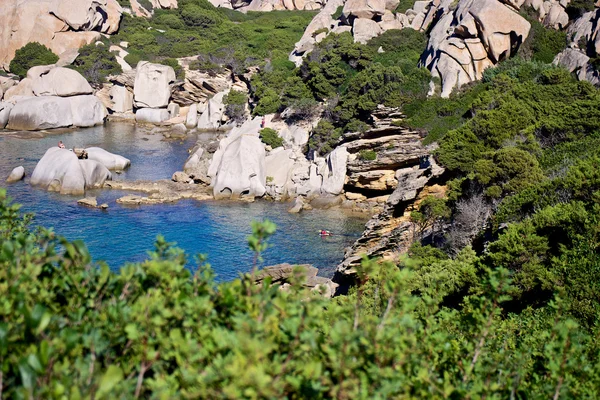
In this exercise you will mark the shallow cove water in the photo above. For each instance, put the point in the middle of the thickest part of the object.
(124, 234)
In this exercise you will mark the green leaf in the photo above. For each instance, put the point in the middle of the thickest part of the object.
(110, 379)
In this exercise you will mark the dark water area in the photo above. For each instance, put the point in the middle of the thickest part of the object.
(124, 234)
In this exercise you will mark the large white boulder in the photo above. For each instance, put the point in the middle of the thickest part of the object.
(5, 109)
(94, 173)
(87, 111)
(365, 29)
(108, 159)
(335, 176)
(122, 99)
(22, 89)
(37, 113)
(58, 81)
(152, 86)
(364, 8)
(61, 171)
(213, 114)
(278, 170)
(238, 166)
(152, 115)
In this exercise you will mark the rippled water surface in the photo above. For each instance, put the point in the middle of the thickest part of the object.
(124, 234)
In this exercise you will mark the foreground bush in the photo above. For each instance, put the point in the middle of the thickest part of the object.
(30, 55)
(72, 329)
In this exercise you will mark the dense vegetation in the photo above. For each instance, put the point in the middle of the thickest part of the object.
(30, 55)
(72, 329)
(95, 63)
(218, 37)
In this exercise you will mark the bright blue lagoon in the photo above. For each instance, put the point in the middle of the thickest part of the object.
(124, 234)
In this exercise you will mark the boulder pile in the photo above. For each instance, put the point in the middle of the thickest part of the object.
(60, 170)
(50, 97)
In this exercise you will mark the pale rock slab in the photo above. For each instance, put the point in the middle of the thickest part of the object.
(152, 86)
(109, 160)
(121, 98)
(37, 113)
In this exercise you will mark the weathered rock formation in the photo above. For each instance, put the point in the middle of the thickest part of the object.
(476, 35)
(584, 44)
(152, 86)
(61, 171)
(238, 166)
(399, 174)
(269, 5)
(51, 97)
(61, 25)
(108, 159)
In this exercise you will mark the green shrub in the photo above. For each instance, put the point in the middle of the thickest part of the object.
(172, 62)
(324, 137)
(542, 44)
(367, 155)
(133, 59)
(95, 63)
(338, 13)
(270, 137)
(434, 324)
(195, 16)
(404, 5)
(30, 55)
(235, 105)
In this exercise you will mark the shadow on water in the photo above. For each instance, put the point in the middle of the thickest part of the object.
(124, 234)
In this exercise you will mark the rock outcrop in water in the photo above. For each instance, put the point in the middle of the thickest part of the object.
(61, 170)
(16, 175)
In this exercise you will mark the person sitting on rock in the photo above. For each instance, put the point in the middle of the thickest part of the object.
(61, 145)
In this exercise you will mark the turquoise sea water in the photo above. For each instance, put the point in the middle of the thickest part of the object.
(124, 234)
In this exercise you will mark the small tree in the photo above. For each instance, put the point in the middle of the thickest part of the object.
(235, 105)
(270, 137)
(30, 55)
(95, 63)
